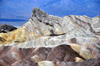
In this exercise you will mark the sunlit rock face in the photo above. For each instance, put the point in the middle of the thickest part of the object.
(41, 24)
(50, 40)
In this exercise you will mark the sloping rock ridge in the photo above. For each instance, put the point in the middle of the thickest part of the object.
(4, 28)
(62, 55)
(51, 40)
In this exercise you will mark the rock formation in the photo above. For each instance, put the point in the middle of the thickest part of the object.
(59, 55)
(4, 28)
(50, 40)
(62, 55)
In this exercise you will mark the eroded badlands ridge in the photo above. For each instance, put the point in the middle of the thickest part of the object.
(62, 55)
(63, 41)
(82, 28)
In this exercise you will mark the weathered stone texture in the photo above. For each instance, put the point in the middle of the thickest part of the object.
(47, 40)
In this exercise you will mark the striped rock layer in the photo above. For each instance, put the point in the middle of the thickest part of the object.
(62, 40)
(62, 55)
(82, 28)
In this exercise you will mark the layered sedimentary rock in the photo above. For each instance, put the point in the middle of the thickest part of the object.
(41, 24)
(62, 55)
(51, 40)
(91, 62)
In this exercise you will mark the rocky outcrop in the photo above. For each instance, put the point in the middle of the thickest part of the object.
(50, 40)
(91, 62)
(62, 55)
(41, 24)
(4, 28)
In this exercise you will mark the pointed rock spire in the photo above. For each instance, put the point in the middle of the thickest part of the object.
(39, 14)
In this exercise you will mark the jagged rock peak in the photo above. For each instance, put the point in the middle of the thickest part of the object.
(47, 38)
(39, 14)
(44, 26)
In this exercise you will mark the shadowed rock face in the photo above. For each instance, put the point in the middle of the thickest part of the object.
(59, 55)
(94, 62)
(4, 28)
(9, 55)
(47, 40)
(62, 55)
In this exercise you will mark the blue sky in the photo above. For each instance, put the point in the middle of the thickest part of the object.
(17, 12)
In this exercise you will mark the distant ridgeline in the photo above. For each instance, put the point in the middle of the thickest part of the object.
(4, 28)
